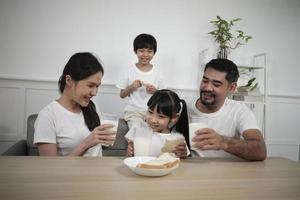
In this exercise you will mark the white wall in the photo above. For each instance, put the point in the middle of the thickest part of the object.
(38, 36)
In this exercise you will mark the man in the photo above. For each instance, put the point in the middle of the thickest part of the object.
(232, 127)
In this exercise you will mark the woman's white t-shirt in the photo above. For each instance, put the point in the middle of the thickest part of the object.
(57, 125)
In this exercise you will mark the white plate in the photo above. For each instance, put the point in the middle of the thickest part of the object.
(131, 162)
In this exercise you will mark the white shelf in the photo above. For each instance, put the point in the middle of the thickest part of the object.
(257, 103)
(249, 67)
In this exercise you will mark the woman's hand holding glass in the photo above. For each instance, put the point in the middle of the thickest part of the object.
(103, 134)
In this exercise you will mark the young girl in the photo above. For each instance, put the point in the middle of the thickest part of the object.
(167, 117)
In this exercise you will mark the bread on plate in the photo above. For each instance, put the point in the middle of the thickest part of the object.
(164, 161)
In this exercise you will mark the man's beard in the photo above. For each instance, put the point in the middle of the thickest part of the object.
(205, 102)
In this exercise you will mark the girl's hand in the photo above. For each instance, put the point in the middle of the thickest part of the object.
(180, 150)
(150, 88)
(101, 135)
(130, 150)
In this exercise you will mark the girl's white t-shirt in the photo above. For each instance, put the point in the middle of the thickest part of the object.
(139, 98)
(158, 140)
(57, 125)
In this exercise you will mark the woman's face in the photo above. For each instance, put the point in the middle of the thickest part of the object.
(157, 121)
(84, 90)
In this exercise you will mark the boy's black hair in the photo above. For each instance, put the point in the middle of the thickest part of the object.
(224, 65)
(145, 41)
(168, 103)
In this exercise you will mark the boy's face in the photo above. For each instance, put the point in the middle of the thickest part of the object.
(144, 55)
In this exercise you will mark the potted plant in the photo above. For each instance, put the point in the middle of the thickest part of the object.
(226, 37)
(249, 87)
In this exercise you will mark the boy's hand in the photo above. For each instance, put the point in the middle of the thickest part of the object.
(150, 88)
(135, 84)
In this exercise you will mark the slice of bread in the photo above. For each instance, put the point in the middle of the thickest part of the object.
(164, 161)
(170, 145)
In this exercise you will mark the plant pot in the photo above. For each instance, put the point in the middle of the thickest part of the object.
(223, 53)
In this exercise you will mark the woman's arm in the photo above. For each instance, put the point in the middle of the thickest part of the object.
(46, 149)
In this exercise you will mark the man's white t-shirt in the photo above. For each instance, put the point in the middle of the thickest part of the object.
(231, 120)
(139, 98)
(57, 125)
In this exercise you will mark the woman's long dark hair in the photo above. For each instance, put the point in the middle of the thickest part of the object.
(168, 103)
(79, 67)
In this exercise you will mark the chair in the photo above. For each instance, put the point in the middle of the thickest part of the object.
(26, 147)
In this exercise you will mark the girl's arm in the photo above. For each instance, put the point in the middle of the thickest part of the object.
(181, 150)
(130, 149)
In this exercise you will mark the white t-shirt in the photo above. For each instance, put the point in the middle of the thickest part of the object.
(139, 98)
(57, 125)
(231, 120)
(157, 140)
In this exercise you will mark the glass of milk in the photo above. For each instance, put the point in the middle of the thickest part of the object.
(142, 140)
(193, 127)
(107, 118)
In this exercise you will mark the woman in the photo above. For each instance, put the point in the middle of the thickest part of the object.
(70, 125)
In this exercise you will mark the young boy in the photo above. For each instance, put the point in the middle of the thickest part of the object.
(141, 80)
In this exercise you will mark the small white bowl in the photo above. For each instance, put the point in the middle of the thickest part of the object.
(131, 163)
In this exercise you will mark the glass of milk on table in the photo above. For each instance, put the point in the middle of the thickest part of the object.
(142, 140)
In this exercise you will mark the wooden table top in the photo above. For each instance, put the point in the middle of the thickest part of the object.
(108, 178)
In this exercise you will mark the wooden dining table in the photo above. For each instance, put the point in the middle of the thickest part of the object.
(98, 178)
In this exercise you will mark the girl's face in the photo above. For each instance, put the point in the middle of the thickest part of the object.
(157, 121)
(84, 90)
(144, 55)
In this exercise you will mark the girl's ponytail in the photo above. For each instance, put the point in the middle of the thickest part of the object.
(182, 124)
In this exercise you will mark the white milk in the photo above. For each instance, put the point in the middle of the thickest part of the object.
(113, 129)
(193, 127)
(115, 123)
(141, 146)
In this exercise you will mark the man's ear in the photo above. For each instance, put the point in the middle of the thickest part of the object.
(69, 80)
(232, 87)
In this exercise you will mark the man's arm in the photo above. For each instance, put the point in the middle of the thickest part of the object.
(252, 147)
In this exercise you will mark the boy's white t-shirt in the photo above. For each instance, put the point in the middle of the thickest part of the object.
(158, 140)
(231, 120)
(57, 125)
(139, 98)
